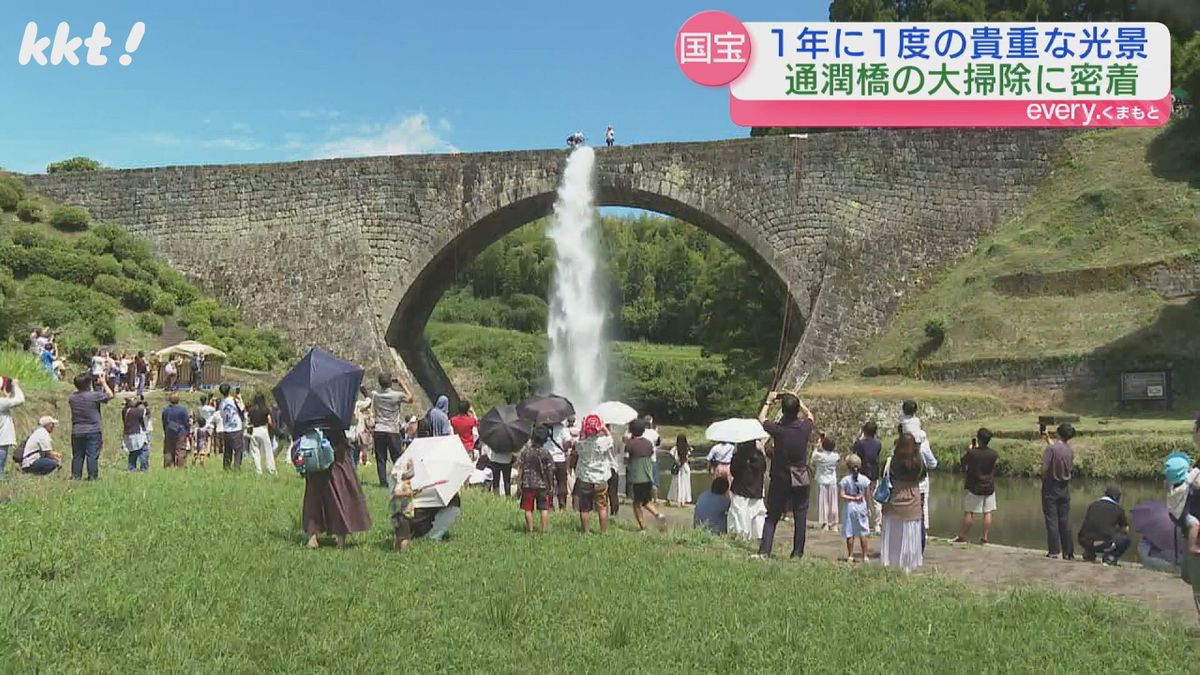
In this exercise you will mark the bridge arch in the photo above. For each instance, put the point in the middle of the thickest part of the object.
(415, 301)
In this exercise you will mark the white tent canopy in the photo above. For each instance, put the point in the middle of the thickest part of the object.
(190, 348)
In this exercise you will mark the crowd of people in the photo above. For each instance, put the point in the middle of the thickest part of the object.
(589, 466)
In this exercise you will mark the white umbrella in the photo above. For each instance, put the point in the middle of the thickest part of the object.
(735, 430)
(615, 412)
(440, 466)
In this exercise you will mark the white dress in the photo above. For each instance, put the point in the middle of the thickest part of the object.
(681, 484)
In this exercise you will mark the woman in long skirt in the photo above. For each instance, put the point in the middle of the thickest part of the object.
(902, 513)
(333, 500)
(681, 482)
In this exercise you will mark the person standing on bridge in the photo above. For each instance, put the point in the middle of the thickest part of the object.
(386, 403)
(609, 136)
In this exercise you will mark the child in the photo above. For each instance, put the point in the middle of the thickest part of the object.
(1182, 479)
(481, 477)
(911, 424)
(825, 461)
(401, 506)
(537, 476)
(854, 522)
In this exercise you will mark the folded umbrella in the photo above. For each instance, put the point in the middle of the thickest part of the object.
(550, 409)
(1152, 522)
(615, 412)
(735, 430)
(440, 467)
(318, 392)
(503, 430)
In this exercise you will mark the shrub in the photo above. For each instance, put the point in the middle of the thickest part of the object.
(31, 237)
(70, 218)
(29, 211)
(524, 313)
(129, 247)
(67, 265)
(8, 287)
(133, 270)
(74, 164)
(174, 283)
(104, 329)
(151, 323)
(9, 197)
(198, 311)
(75, 341)
(91, 244)
(164, 304)
(109, 285)
(243, 356)
(137, 296)
(223, 316)
(106, 264)
(935, 330)
(15, 184)
(110, 232)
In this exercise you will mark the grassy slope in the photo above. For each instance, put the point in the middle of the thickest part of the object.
(199, 571)
(1105, 204)
(129, 336)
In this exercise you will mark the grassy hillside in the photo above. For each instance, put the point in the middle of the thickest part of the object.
(1115, 198)
(672, 382)
(97, 285)
(83, 564)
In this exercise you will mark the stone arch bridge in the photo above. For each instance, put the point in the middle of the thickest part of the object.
(353, 254)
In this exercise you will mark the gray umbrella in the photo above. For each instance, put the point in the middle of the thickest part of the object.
(550, 409)
(503, 430)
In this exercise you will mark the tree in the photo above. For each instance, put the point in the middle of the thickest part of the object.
(73, 165)
(957, 10)
(1187, 68)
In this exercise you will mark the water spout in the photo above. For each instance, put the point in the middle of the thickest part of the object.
(578, 360)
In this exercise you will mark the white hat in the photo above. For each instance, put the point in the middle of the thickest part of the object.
(46, 419)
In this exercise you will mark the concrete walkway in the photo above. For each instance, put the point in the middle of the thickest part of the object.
(996, 567)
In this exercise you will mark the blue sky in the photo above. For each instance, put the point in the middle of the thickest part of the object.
(236, 81)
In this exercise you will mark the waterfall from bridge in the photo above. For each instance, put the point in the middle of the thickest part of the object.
(578, 354)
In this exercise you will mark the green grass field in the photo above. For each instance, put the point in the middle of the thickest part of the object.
(197, 571)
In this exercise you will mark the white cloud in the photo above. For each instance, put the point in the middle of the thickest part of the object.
(312, 113)
(408, 136)
(240, 126)
(163, 139)
(232, 143)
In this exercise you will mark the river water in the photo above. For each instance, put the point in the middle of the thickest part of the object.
(1018, 518)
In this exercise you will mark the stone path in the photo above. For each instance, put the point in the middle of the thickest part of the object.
(996, 567)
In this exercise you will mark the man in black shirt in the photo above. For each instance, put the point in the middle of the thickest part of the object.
(868, 448)
(978, 466)
(789, 473)
(1105, 529)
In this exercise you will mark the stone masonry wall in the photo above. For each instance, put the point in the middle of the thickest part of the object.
(352, 254)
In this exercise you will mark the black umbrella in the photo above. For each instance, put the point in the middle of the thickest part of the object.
(318, 392)
(550, 409)
(503, 430)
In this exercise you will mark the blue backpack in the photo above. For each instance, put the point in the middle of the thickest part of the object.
(312, 452)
